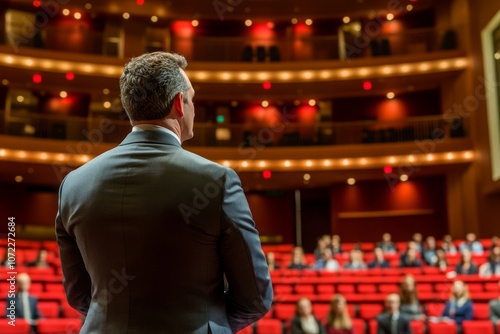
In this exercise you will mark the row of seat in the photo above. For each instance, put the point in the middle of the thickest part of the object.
(45, 326)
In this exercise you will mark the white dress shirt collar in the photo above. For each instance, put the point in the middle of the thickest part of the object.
(153, 127)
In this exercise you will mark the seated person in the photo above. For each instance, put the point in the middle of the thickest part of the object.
(322, 243)
(441, 262)
(304, 321)
(335, 245)
(410, 260)
(386, 244)
(418, 239)
(494, 242)
(327, 262)
(410, 305)
(492, 266)
(392, 321)
(271, 261)
(379, 261)
(495, 309)
(448, 246)
(355, 260)
(339, 321)
(471, 244)
(41, 260)
(430, 250)
(466, 266)
(298, 259)
(459, 307)
(25, 305)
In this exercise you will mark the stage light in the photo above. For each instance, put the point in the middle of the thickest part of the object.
(37, 78)
(77, 15)
(220, 119)
(267, 174)
(248, 23)
(267, 85)
(63, 94)
(140, 2)
(154, 18)
(309, 22)
(265, 104)
(388, 169)
(126, 16)
(312, 102)
(403, 178)
(346, 19)
(390, 17)
(351, 181)
(70, 76)
(391, 95)
(195, 23)
(367, 85)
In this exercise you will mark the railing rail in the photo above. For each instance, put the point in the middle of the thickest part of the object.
(244, 135)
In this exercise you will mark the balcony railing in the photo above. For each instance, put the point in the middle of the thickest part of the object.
(244, 135)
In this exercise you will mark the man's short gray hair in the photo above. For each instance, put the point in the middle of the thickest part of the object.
(149, 83)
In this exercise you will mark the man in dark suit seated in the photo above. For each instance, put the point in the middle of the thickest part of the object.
(153, 238)
(392, 321)
(379, 261)
(22, 305)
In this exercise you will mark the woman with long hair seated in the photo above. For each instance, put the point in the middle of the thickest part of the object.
(409, 301)
(304, 321)
(339, 321)
(459, 307)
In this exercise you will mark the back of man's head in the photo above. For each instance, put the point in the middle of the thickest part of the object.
(149, 84)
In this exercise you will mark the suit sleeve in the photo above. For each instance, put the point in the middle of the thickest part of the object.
(249, 294)
(77, 283)
(469, 311)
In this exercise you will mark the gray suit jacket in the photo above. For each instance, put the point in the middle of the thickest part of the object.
(148, 233)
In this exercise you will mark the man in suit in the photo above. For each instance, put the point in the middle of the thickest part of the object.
(153, 238)
(22, 305)
(392, 321)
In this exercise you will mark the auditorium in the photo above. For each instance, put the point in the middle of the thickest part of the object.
(360, 138)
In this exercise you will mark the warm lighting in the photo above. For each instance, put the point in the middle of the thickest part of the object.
(468, 155)
(263, 76)
(5, 82)
(36, 3)
(126, 16)
(154, 18)
(140, 2)
(424, 67)
(430, 157)
(307, 177)
(288, 163)
(363, 161)
(367, 85)
(63, 94)
(390, 95)
(88, 6)
(295, 21)
(234, 104)
(296, 103)
(392, 160)
(387, 169)
(351, 181)
(21, 154)
(390, 17)
(460, 63)
(2, 153)
(225, 76)
(411, 158)
(18, 179)
(309, 163)
(307, 75)
(77, 15)
(70, 76)
(65, 11)
(404, 68)
(346, 19)
(345, 162)
(43, 156)
(497, 55)
(262, 164)
(312, 102)
(248, 23)
(450, 156)
(244, 164)
(409, 8)
(309, 22)
(266, 85)
(403, 178)
(444, 64)
(325, 74)
(37, 78)
(387, 70)
(195, 23)
(265, 104)
(107, 104)
(267, 174)
(105, 91)
(270, 25)
(327, 163)
(285, 75)
(20, 99)
(226, 163)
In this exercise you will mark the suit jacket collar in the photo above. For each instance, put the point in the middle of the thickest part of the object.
(147, 136)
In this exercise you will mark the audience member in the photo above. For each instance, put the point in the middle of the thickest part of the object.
(5, 261)
(271, 261)
(419, 240)
(429, 254)
(495, 309)
(336, 246)
(339, 321)
(379, 261)
(298, 259)
(494, 242)
(304, 321)
(26, 306)
(321, 245)
(392, 321)
(441, 262)
(471, 244)
(355, 260)
(40, 261)
(466, 266)
(459, 307)
(408, 296)
(410, 260)
(448, 246)
(327, 262)
(492, 266)
(386, 244)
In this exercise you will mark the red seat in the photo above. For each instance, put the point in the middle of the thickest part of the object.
(284, 312)
(442, 328)
(49, 309)
(434, 309)
(304, 289)
(246, 330)
(481, 311)
(21, 327)
(50, 287)
(492, 287)
(476, 327)
(345, 288)
(321, 311)
(424, 287)
(388, 288)
(59, 326)
(369, 311)
(373, 326)
(325, 289)
(367, 288)
(269, 326)
(417, 327)
(358, 326)
(475, 287)
(69, 312)
(282, 289)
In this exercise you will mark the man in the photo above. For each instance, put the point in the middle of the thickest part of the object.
(379, 260)
(391, 321)
(149, 233)
(24, 305)
(471, 243)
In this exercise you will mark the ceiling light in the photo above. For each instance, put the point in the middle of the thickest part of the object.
(351, 181)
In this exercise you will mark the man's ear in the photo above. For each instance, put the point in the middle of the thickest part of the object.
(178, 104)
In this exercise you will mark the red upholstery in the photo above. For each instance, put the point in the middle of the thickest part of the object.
(442, 328)
(476, 327)
(269, 326)
(59, 326)
(481, 311)
(284, 312)
(49, 309)
(21, 327)
(435, 309)
(369, 311)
